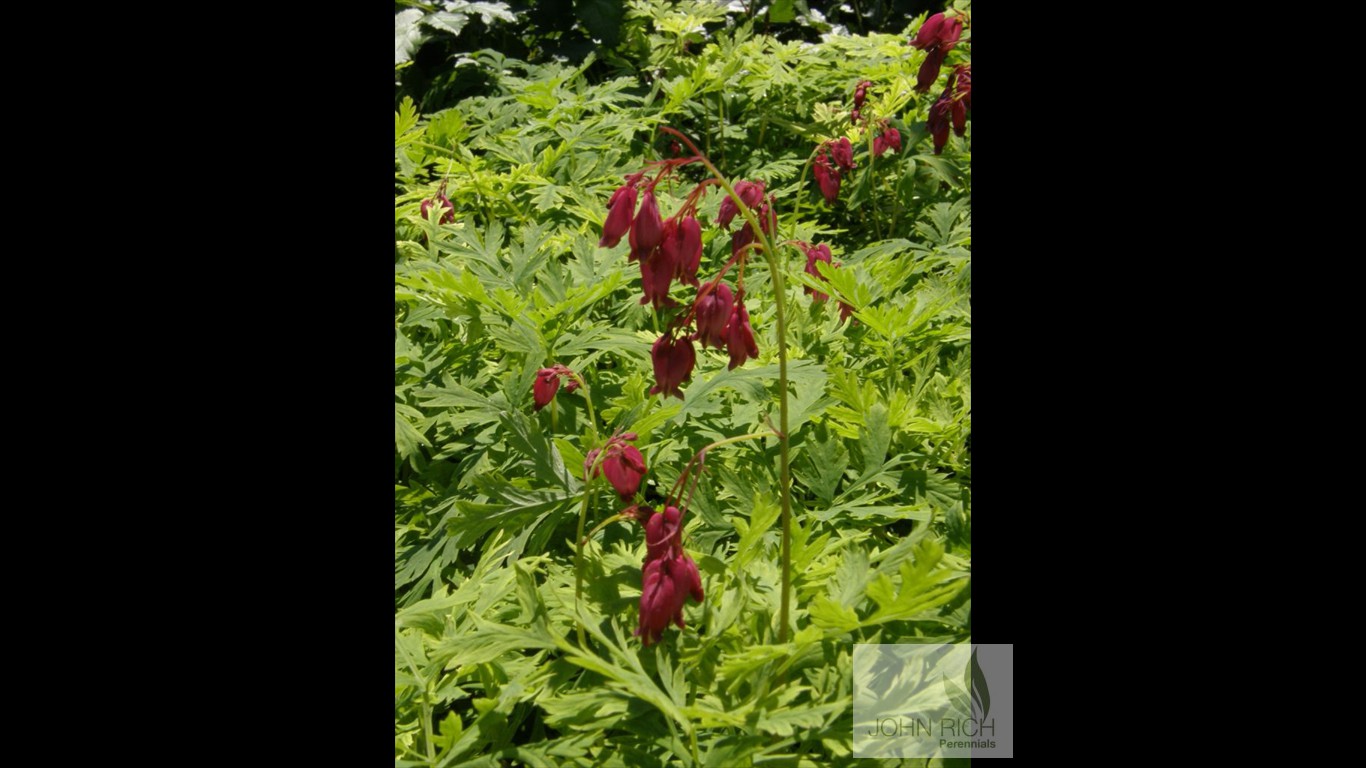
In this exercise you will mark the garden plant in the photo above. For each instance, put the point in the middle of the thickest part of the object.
(682, 378)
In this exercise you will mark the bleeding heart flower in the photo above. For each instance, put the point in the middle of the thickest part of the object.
(740, 336)
(546, 385)
(656, 275)
(888, 139)
(827, 178)
(739, 239)
(690, 250)
(814, 254)
(937, 36)
(941, 111)
(750, 192)
(623, 465)
(448, 214)
(669, 577)
(712, 309)
(843, 152)
(673, 361)
(548, 382)
(620, 209)
(648, 228)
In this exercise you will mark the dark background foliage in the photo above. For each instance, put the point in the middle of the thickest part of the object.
(570, 30)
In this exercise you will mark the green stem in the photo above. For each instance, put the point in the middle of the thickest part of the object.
(780, 296)
(588, 475)
(588, 401)
(682, 476)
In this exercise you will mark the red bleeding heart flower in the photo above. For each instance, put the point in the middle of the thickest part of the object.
(648, 228)
(741, 238)
(673, 361)
(888, 139)
(814, 254)
(739, 335)
(668, 578)
(843, 152)
(827, 178)
(448, 214)
(683, 245)
(712, 310)
(623, 465)
(937, 36)
(952, 105)
(964, 90)
(547, 383)
(750, 192)
(656, 275)
(620, 209)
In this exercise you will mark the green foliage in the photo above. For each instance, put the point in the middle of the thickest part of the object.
(488, 669)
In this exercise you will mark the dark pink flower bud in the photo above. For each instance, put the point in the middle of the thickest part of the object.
(623, 465)
(673, 361)
(656, 275)
(929, 69)
(741, 238)
(687, 580)
(854, 116)
(938, 122)
(669, 577)
(690, 250)
(648, 228)
(828, 178)
(448, 214)
(937, 36)
(620, 209)
(663, 532)
(963, 91)
(713, 312)
(814, 254)
(768, 220)
(671, 243)
(843, 152)
(888, 139)
(953, 29)
(960, 117)
(546, 384)
(860, 94)
(658, 601)
(750, 192)
(624, 468)
(740, 336)
(929, 32)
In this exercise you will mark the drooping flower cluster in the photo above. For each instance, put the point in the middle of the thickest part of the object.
(548, 383)
(828, 175)
(752, 194)
(937, 36)
(623, 464)
(860, 93)
(669, 576)
(669, 249)
(952, 105)
(723, 322)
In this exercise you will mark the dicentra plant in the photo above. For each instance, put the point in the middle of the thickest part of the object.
(611, 418)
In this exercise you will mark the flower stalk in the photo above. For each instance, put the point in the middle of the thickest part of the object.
(780, 318)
